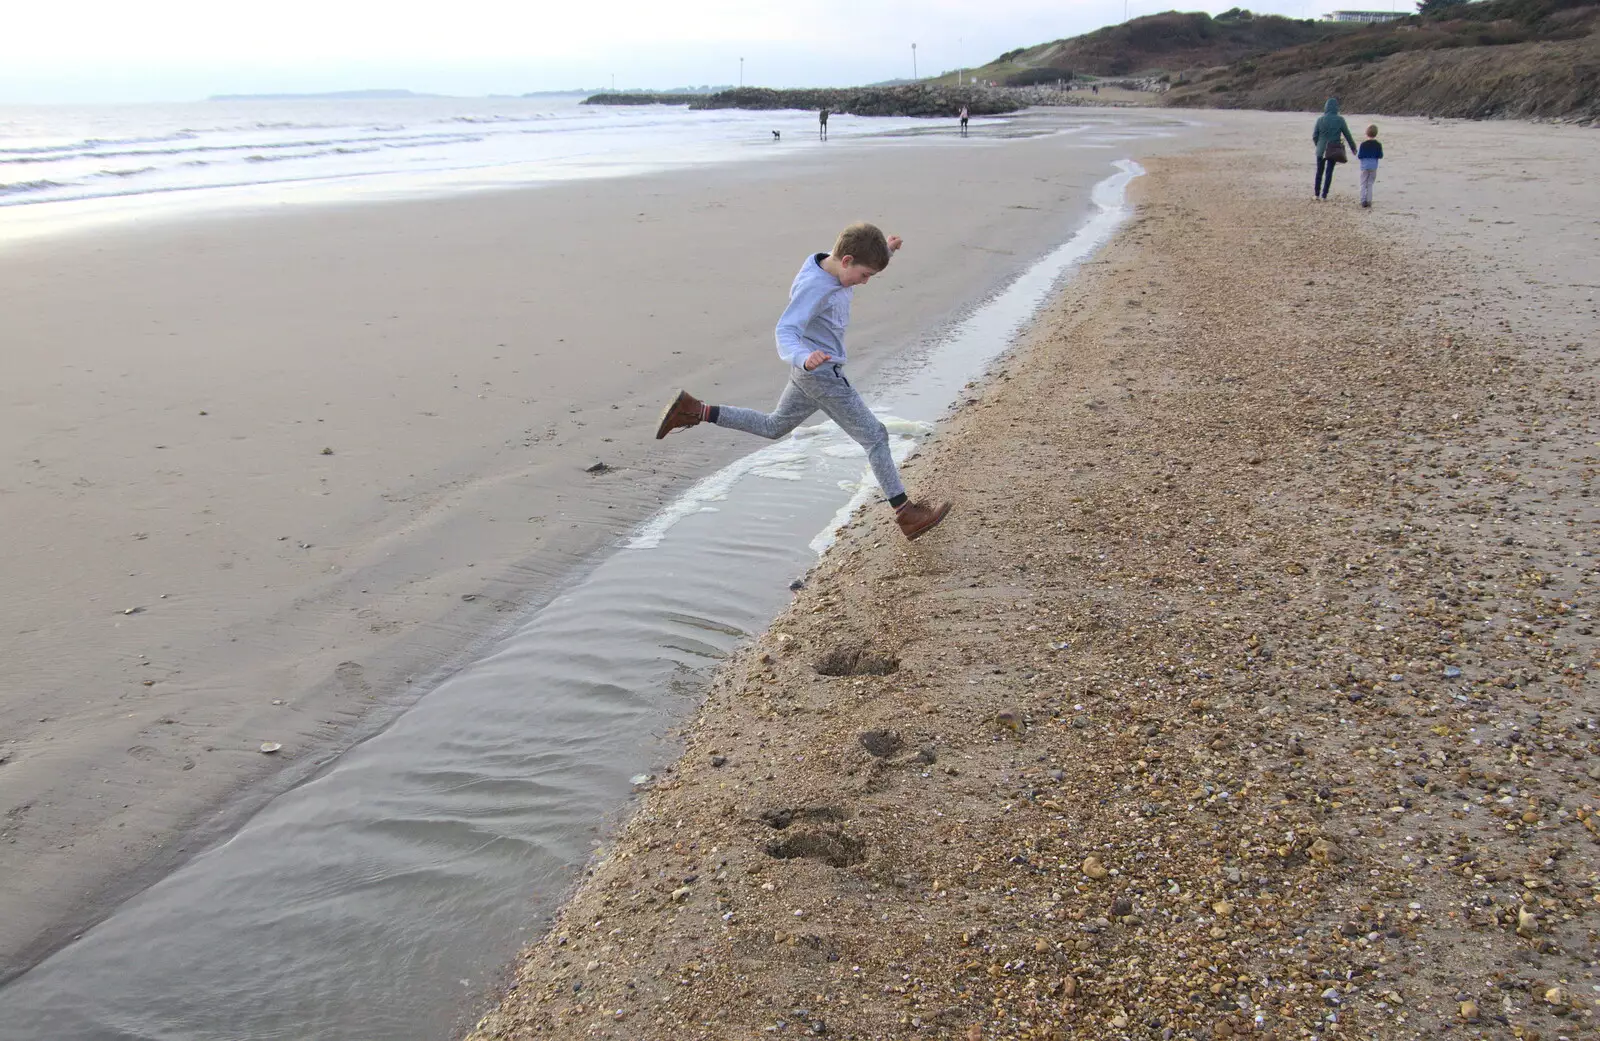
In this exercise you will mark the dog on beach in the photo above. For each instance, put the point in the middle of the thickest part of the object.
(777, 136)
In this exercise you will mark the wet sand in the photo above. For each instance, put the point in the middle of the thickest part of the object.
(270, 476)
(1249, 691)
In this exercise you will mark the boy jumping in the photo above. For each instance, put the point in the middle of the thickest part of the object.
(811, 339)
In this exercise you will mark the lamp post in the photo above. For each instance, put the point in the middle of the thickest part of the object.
(913, 61)
(741, 72)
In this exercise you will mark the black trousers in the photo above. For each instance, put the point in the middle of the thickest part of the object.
(1324, 179)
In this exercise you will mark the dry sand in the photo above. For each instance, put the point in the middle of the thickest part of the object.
(265, 475)
(1248, 692)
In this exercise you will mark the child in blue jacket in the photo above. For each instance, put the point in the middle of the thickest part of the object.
(1368, 155)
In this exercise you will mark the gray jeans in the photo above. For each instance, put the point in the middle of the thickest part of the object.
(1367, 178)
(826, 390)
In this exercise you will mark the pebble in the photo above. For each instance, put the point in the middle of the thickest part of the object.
(1326, 852)
(1094, 869)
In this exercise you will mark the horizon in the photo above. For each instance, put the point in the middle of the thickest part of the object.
(99, 52)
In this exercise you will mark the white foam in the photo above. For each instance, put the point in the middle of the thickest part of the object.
(826, 537)
(902, 448)
(786, 472)
(788, 460)
(713, 488)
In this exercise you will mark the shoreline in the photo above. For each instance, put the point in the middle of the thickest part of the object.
(271, 592)
(579, 150)
(1214, 710)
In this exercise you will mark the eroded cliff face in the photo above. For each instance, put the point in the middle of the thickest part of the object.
(1537, 80)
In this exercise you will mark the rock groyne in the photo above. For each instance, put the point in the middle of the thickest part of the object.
(909, 100)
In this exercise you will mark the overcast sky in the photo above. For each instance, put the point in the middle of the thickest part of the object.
(175, 50)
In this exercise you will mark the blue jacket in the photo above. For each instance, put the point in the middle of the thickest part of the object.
(817, 315)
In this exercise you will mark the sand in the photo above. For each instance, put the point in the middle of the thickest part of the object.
(1248, 692)
(268, 475)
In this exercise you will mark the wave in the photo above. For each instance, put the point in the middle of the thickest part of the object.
(29, 186)
(537, 117)
(125, 173)
(265, 125)
(239, 128)
(529, 117)
(259, 157)
(252, 146)
(90, 144)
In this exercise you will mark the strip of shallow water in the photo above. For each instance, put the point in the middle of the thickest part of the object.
(382, 898)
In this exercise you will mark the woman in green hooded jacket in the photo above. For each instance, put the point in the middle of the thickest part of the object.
(1330, 126)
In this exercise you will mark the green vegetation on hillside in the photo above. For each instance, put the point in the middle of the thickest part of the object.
(1154, 44)
(1490, 58)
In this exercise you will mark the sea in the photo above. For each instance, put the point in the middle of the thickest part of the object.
(61, 165)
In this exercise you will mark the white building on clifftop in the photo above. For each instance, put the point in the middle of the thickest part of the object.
(1364, 16)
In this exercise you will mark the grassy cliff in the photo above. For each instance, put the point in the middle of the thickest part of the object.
(1155, 44)
(1522, 58)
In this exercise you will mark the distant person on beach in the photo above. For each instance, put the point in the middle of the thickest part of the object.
(963, 121)
(822, 124)
(1368, 155)
(1330, 149)
(810, 338)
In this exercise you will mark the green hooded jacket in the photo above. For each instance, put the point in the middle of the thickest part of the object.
(1329, 126)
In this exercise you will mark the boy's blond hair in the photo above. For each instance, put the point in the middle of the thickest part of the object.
(865, 244)
(1372, 131)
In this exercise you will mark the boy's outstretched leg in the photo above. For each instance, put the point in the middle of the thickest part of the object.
(686, 410)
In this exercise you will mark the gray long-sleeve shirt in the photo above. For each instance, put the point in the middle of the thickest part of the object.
(817, 315)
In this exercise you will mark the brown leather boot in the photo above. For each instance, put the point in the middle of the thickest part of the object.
(684, 411)
(916, 520)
